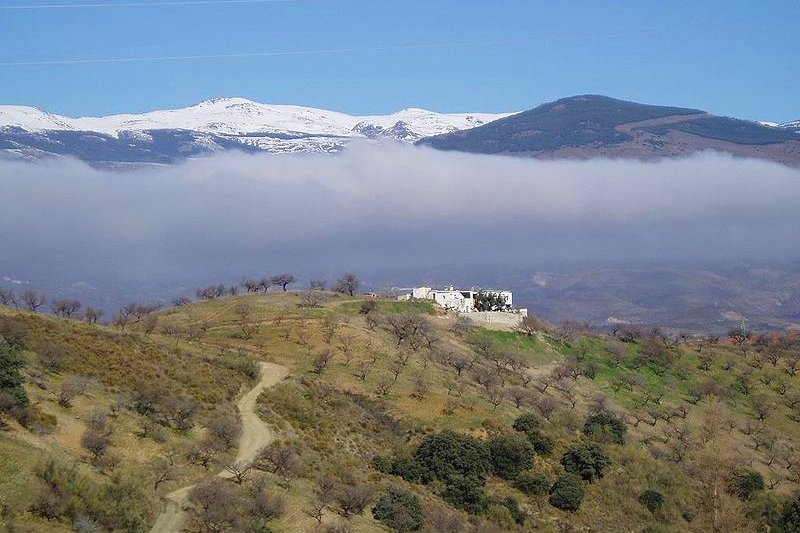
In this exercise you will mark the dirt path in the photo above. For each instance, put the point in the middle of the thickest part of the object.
(255, 435)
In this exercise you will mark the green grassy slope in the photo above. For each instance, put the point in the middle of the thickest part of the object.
(359, 398)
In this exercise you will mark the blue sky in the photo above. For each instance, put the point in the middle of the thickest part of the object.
(735, 58)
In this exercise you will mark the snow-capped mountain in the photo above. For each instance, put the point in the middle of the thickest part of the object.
(212, 125)
(793, 125)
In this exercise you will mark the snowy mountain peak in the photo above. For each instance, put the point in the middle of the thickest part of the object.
(221, 123)
(32, 119)
(224, 100)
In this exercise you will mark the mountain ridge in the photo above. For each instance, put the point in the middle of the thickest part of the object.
(576, 127)
(237, 116)
(587, 126)
(213, 125)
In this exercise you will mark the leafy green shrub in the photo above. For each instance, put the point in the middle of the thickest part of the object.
(410, 470)
(605, 427)
(399, 509)
(14, 398)
(532, 483)
(512, 505)
(652, 499)
(745, 483)
(466, 493)
(367, 307)
(499, 517)
(526, 422)
(588, 460)
(120, 505)
(488, 301)
(530, 424)
(382, 463)
(542, 444)
(567, 493)
(447, 454)
(511, 454)
(789, 519)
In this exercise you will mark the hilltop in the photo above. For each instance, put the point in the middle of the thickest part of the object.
(389, 416)
(586, 126)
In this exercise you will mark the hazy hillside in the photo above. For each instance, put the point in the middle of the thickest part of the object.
(388, 416)
(592, 125)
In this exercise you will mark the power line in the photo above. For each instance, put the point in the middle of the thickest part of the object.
(276, 53)
(137, 4)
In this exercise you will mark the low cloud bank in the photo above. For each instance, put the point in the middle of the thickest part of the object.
(392, 208)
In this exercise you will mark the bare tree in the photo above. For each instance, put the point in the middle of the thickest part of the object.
(322, 359)
(347, 284)
(97, 437)
(546, 405)
(412, 329)
(396, 368)
(444, 521)
(462, 326)
(216, 506)
(529, 326)
(239, 471)
(33, 300)
(7, 297)
(65, 307)
(324, 496)
(52, 357)
(628, 332)
(211, 292)
(266, 505)
(162, 471)
(149, 323)
(310, 299)
(224, 430)
(317, 284)
(283, 280)
(91, 315)
(330, 326)
(496, 396)
(281, 459)
(519, 397)
(739, 335)
(244, 312)
(762, 407)
(458, 362)
(384, 386)
(303, 334)
(421, 388)
(362, 370)
(250, 285)
(72, 388)
(353, 499)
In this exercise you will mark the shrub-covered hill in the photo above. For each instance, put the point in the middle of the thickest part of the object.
(393, 417)
(587, 126)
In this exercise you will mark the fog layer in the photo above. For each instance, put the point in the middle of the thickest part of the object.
(386, 208)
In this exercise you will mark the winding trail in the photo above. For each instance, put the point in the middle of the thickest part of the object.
(255, 436)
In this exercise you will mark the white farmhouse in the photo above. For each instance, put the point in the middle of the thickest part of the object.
(462, 301)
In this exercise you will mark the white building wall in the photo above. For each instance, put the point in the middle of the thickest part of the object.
(421, 293)
(461, 301)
